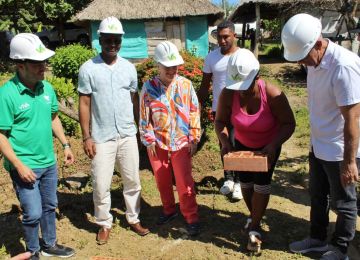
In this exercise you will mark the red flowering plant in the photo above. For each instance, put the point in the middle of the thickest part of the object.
(191, 69)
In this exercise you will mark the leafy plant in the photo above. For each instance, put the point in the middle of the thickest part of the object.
(68, 59)
(3, 252)
(66, 95)
(5, 77)
(274, 27)
(274, 52)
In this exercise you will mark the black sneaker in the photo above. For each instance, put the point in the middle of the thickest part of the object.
(58, 250)
(163, 219)
(193, 229)
(35, 256)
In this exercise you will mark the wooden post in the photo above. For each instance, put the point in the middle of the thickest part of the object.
(243, 35)
(257, 31)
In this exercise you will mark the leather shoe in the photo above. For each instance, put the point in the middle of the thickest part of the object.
(138, 229)
(103, 235)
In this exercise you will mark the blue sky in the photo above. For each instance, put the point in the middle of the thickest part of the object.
(230, 1)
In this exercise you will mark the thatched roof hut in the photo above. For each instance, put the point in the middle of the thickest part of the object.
(149, 9)
(270, 9)
(147, 22)
(254, 10)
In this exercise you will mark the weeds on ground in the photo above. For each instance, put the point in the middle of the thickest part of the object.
(293, 90)
(148, 187)
(302, 131)
(212, 144)
(3, 252)
(116, 229)
(83, 243)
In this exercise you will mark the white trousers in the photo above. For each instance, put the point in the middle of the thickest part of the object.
(124, 152)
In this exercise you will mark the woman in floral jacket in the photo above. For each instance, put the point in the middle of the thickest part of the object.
(170, 129)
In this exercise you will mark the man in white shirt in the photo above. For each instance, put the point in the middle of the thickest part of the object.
(108, 110)
(334, 105)
(215, 71)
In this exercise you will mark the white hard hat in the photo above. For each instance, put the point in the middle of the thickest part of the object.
(28, 46)
(242, 69)
(299, 36)
(111, 25)
(167, 54)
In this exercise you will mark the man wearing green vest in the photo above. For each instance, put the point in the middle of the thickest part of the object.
(28, 109)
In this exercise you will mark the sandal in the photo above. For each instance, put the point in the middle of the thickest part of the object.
(254, 243)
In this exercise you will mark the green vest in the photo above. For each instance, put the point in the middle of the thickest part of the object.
(27, 118)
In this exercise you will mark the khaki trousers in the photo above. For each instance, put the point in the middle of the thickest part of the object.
(124, 152)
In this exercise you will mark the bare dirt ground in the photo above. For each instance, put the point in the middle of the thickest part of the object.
(287, 217)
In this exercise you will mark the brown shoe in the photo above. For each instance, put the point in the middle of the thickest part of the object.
(138, 229)
(103, 235)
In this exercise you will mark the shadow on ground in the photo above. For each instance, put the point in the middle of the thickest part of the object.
(11, 231)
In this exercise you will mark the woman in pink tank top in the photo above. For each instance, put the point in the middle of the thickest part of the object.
(262, 120)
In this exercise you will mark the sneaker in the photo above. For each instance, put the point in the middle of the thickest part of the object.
(35, 256)
(163, 219)
(237, 195)
(58, 251)
(254, 243)
(193, 229)
(308, 245)
(334, 253)
(227, 188)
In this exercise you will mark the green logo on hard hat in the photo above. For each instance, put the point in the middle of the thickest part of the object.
(236, 77)
(172, 57)
(40, 49)
(112, 27)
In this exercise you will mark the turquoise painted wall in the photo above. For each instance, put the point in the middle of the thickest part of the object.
(196, 31)
(134, 43)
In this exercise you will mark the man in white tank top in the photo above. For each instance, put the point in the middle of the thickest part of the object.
(215, 71)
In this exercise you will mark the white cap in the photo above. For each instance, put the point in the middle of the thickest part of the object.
(242, 69)
(167, 54)
(28, 46)
(299, 36)
(111, 25)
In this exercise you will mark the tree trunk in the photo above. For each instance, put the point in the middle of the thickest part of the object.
(61, 31)
(73, 114)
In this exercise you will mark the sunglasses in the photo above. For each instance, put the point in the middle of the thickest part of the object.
(110, 41)
(36, 61)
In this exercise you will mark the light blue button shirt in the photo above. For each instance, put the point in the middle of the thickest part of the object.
(111, 104)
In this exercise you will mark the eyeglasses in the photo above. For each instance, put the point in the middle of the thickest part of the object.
(110, 41)
(36, 61)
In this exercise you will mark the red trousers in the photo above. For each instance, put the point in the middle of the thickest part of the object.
(179, 162)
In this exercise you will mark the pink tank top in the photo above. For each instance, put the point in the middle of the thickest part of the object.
(257, 130)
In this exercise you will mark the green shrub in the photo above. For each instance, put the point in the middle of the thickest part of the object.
(68, 59)
(274, 27)
(5, 77)
(65, 93)
(191, 69)
(275, 52)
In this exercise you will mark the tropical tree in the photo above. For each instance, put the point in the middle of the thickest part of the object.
(227, 6)
(28, 15)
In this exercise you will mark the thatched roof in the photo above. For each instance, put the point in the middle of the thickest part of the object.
(270, 9)
(147, 9)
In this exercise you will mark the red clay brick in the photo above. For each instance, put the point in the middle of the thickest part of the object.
(246, 161)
